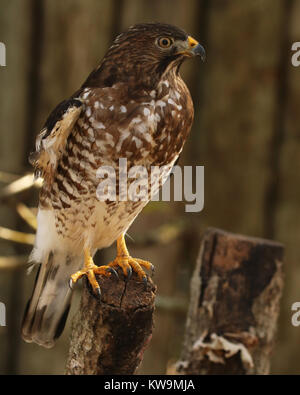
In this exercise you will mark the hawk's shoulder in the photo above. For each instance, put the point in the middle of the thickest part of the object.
(52, 139)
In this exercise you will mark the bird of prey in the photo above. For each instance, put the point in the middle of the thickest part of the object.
(134, 105)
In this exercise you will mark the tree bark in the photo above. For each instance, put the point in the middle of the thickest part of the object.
(235, 294)
(110, 337)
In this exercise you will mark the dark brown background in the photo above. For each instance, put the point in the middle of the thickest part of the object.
(246, 134)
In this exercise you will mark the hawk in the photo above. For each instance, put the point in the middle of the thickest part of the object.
(134, 105)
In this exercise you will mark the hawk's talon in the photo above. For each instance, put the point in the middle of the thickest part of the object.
(98, 291)
(90, 270)
(113, 271)
(129, 264)
(129, 273)
(108, 269)
(71, 283)
(145, 281)
(152, 269)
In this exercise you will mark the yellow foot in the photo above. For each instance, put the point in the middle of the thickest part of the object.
(129, 264)
(89, 270)
(123, 259)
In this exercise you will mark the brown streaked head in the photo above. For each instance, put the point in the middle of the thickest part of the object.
(143, 53)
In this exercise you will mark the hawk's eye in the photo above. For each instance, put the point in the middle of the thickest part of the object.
(165, 42)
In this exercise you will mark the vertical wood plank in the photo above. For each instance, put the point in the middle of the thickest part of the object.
(13, 115)
(286, 219)
(234, 126)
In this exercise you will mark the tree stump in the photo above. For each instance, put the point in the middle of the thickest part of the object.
(109, 337)
(234, 306)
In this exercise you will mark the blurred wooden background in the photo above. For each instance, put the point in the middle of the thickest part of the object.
(246, 134)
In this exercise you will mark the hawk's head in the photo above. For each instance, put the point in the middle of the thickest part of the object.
(143, 54)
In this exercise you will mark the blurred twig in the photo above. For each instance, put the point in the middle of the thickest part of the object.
(20, 185)
(27, 214)
(16, 186)
(13, 262)
(18, 237)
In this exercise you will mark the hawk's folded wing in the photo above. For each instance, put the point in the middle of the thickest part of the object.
(51, 141)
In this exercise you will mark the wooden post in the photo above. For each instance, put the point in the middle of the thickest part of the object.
(110, 337)
(235, 294)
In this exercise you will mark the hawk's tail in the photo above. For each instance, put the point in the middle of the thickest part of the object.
(47, 310)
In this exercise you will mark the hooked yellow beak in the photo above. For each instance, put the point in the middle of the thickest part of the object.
(196, 49)
(193, 48)
(192, 42)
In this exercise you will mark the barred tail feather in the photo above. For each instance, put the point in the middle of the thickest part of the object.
(47, 310)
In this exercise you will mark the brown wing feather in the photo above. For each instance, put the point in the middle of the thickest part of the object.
(51, 141)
